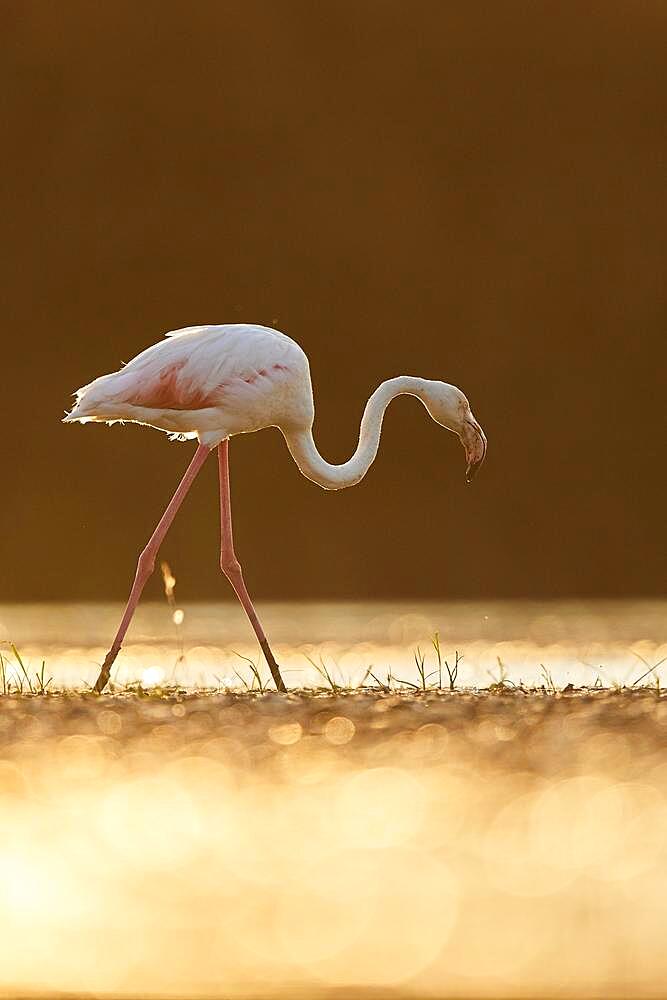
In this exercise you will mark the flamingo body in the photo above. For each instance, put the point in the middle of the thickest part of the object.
(207, 382)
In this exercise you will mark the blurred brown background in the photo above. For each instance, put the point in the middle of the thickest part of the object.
(466, 191)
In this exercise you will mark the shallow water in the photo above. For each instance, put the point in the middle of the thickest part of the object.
(579, 642)
(434, 845)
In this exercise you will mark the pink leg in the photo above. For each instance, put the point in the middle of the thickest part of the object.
(146, 562)
(230, 566)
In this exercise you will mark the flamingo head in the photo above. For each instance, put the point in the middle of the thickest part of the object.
(449, 407)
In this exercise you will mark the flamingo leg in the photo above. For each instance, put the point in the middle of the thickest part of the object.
(146, 562)
(231, 567)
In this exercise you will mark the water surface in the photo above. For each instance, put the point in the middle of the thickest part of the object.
(579, 642)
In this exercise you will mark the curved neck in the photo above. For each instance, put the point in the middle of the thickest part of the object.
(336, 477)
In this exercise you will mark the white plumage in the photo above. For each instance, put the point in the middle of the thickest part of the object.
(207, 382)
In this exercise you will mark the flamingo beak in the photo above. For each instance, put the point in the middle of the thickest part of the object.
(473, 440)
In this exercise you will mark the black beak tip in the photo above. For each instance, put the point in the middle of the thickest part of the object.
(479, 453)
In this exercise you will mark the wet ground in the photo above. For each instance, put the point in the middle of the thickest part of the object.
(498, 843)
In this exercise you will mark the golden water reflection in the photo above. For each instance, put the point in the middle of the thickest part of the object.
(534, 643)
(437, 844)
(434, 844)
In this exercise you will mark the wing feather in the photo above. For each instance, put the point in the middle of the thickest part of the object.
(203, 366)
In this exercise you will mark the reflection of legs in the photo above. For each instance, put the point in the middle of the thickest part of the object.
(229, 564)
(146, 561)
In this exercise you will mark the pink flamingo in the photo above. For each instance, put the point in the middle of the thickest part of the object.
(211, 382)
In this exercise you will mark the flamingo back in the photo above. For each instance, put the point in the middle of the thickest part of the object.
(239, 377)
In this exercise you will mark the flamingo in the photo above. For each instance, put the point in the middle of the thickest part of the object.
(211, 382)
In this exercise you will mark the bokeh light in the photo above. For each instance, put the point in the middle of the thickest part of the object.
(420, 842)
(229, 844)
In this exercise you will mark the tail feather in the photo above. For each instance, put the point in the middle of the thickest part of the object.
(88, 403)
(75, 413)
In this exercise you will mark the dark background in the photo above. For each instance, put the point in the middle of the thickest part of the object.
(466, 191)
